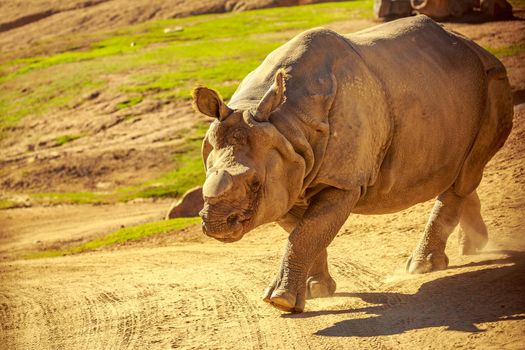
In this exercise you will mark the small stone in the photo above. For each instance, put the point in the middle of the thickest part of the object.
(173, 29)
(103, 185)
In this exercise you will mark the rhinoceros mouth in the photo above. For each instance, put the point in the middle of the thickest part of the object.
(235, 224)
(229, 221)
(224, 234)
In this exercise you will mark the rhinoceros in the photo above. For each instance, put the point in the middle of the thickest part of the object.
(370, 123)
(458, 8)
(442, 8)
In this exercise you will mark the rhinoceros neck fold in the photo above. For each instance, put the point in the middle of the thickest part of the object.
(308, 137)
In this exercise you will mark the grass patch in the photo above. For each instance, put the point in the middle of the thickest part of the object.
(507, 51)
(132, 101)
(120, 236)
(71, 198)
(188, 174)
(7, 204)
(63, 139)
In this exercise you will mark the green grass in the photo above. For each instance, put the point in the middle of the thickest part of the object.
(71, 198)
(132, 101)
(7, 204)
(507, 51)
(63, 139)
(121, 236)
(214, 49)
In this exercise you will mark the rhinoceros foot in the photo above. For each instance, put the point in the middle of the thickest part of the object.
(471, 243)
(286, 296)
(320, 286)
(424, 264)
(284, 301)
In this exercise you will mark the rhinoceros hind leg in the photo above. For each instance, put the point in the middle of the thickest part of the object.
(430, 255)
(319, 283)
(473, 235)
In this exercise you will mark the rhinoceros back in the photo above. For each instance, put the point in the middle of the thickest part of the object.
(436, 82)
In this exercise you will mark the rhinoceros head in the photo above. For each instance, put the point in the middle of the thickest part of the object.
(253, 174)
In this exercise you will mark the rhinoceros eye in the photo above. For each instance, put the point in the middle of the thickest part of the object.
(237, 137)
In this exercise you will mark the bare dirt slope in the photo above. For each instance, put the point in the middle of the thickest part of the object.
(188, 291)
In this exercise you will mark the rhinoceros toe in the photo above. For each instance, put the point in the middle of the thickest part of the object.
(284, 300)
(471, 243)
(432, 262)
(319, 288)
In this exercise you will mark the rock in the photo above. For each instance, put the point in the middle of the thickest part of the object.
(173, 29)
(188, 206)
(103, 185)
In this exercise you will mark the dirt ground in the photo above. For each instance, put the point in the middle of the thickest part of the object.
(184, 290)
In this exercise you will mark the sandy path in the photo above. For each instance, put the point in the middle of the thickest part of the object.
(195, 293)
(208, 296)
(45, 227)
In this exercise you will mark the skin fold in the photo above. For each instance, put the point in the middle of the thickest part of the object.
(371, 123)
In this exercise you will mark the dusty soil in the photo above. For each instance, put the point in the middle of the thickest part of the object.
(122, 147)
(184, 290)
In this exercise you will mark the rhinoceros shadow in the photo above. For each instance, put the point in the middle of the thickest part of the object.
(458, 302)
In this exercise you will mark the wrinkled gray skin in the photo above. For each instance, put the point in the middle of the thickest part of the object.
(369, 123)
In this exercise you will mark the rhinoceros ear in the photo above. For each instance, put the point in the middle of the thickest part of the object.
(273, 98)
(210, 103)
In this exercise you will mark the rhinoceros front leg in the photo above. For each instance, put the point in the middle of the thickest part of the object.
(307, 242)
(429, 254)
(319, 282)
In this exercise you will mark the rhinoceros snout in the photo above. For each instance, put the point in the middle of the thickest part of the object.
(224, 227)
